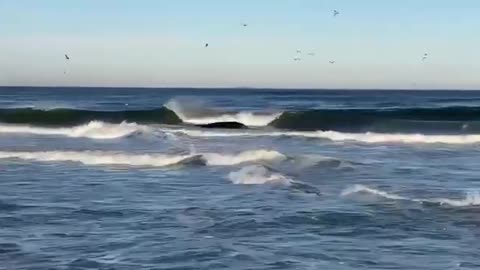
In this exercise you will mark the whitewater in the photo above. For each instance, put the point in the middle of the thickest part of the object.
(105, 131)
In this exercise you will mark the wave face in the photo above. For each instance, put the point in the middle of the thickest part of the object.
(92, 130)
(405, 120)
(471, 198)
(199, 115)
(71, 117)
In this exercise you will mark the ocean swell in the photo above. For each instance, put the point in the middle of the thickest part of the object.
(72, 117)
(405, 120)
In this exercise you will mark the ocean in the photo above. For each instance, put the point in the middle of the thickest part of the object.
(113, 178)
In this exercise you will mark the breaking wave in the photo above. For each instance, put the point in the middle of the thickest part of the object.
(93, 130)
(471, 198)
(447, 120)
(197, 115)
(103, 130)
(147, 160)
(258, 175)
(368, 137)
(101, 158)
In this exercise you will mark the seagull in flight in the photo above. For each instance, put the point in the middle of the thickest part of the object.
(335, 13)
(67, 57)
(206, 45)
(297, 59)
(425, 56)
(244, 25)
(299, 51)
(311, 54)
(331, 62)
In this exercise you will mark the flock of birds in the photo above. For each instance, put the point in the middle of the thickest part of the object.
(297, 58)
(299, 52)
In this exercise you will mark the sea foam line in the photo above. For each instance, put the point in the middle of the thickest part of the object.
(472, 198)
(368, 137)
(103, 131)
(148, 160)
(93, 130)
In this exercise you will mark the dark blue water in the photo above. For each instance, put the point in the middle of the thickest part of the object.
(153, 195)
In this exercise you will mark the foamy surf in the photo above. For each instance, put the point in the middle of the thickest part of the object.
(100, 158)
(258, 175)
(373, 138)
(92, 130)
(472, 198)
(261, 155)
(146, 160)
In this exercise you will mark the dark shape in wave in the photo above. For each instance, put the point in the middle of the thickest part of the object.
(225, 125)
(447, 120)
(425, 120)
(70, 117)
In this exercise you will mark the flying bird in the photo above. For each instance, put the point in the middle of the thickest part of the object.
(311, 54)
(244, 25)
(206, 45)
(296, 59)
(331, 62)
(299, 51)
(425, 56)
(67, 57)
(335, 13)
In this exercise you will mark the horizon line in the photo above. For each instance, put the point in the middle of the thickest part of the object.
(240, 87)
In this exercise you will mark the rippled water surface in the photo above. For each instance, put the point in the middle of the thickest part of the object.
(82, 189)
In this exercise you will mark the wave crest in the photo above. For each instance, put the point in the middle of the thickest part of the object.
(472, 198)
(101, 158)
(147, 160)
(215, 159)
(194, 114)
(92, 130)
(258, 175)
(368, 137)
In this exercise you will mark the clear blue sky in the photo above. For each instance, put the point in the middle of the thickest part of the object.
(159, 43)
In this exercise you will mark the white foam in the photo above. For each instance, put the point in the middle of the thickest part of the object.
(472, 198)
(154, 160)
(247, 118)
(339, 136)
(216, 159)
(398, 138)
(364, 189)
(92, 130)
(257, 175)
(99, 158)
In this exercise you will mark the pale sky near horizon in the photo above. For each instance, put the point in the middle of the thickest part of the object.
(160, 43)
